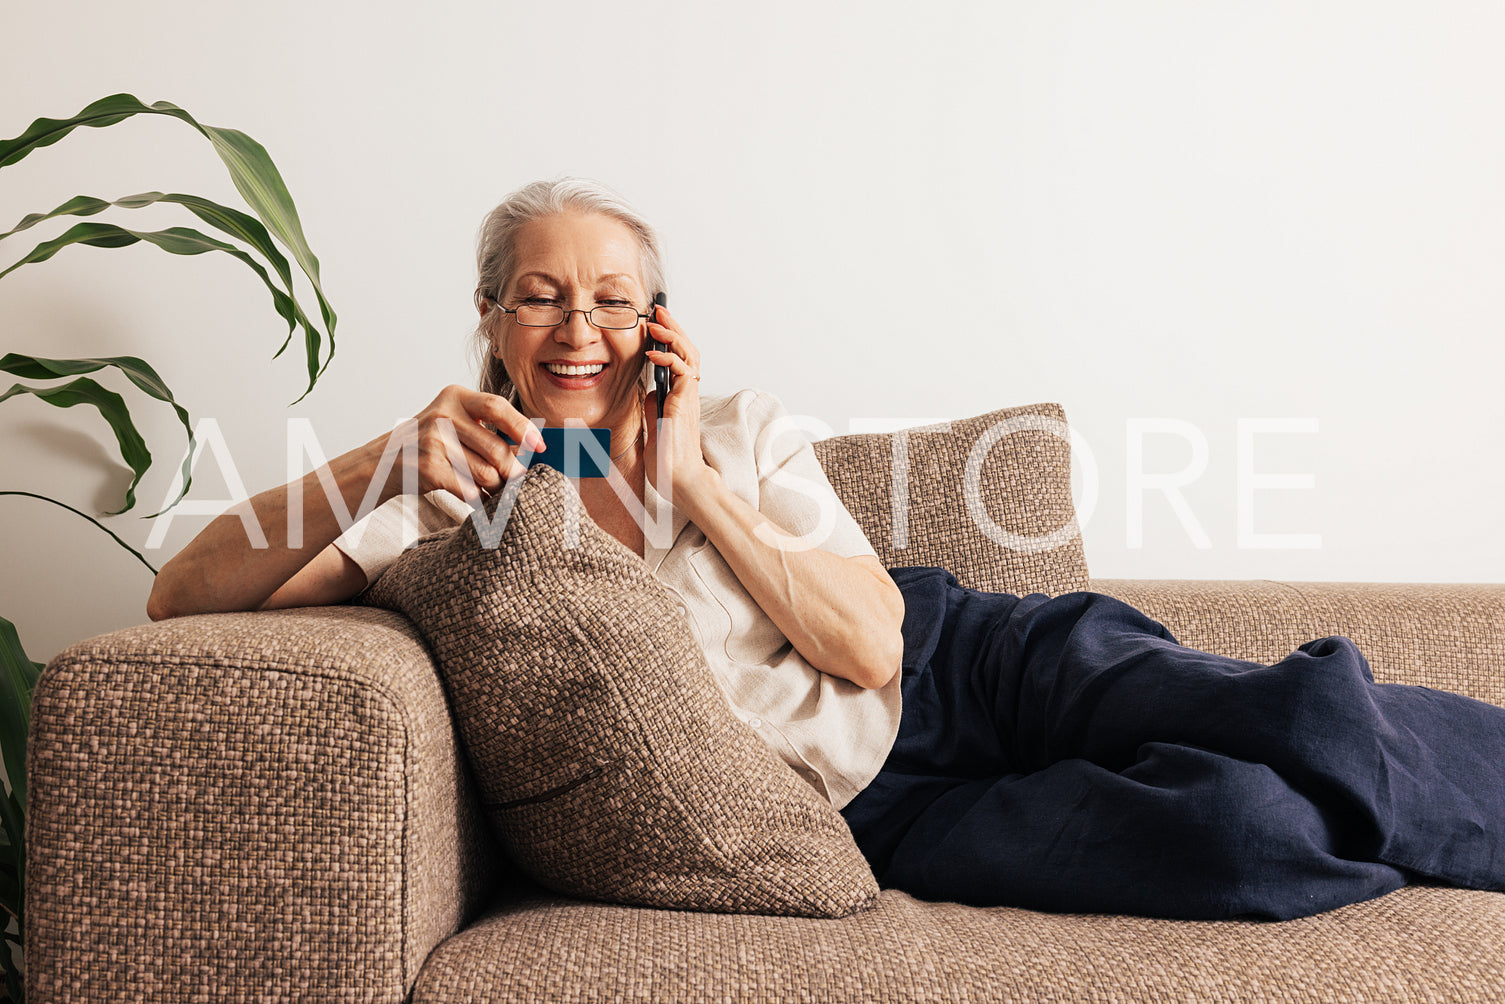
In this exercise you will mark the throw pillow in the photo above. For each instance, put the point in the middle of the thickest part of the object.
(609, 763)
(989, 499)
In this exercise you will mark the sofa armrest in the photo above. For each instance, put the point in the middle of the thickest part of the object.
(1442, 635)
(263, 806)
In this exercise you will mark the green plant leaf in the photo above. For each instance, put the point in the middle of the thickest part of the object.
(79, 205)
(112, 406)
(91, 519)
(13, 980)
(10, 889)
(136, 370)
(13, 818)
(224, 218)
(18, 677)
(250, 166)
(177, 240)
(14, 847)
(260, 184)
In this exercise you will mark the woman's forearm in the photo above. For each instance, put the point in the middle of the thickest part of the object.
(222, 569)
(446, 446)
(845, 619)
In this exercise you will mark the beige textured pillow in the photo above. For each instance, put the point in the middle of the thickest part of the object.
(609, 763)
(1007, 525)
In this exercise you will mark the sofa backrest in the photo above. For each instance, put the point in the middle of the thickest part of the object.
(987, 498)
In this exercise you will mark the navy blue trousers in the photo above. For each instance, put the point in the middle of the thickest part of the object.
(1067, 754)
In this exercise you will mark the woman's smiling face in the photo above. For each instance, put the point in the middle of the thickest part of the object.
(576, 261)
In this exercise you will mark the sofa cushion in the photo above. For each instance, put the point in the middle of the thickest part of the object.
(1417, 944)
(608, 762)
(988, 499)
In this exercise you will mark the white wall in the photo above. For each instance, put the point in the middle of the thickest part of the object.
(1200, 211)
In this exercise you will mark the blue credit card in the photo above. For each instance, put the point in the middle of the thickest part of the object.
(578, 452)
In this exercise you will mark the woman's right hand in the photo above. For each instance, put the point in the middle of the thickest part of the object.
(444, 446)
(447, 446)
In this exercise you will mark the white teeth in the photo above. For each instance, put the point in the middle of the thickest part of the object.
(574, 370)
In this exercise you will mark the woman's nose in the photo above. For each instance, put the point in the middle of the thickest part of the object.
(576, 328)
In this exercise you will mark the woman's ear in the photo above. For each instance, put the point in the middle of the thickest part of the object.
(484, 305)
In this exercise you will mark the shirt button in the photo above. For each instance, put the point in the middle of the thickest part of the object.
(756, 723)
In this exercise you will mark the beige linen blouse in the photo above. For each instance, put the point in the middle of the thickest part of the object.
(834, 733)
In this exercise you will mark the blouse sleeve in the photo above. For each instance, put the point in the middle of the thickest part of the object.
(375, 542)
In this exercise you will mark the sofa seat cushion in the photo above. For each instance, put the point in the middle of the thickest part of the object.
(608, 761)
(1420, 943)
(987, 498)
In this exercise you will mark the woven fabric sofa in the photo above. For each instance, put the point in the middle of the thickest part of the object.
(274, 806)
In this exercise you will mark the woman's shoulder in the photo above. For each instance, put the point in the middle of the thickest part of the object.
(747, 407)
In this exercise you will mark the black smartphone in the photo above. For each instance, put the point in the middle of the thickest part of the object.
(663, 380)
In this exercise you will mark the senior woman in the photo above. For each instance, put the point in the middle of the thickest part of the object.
(1057, 753)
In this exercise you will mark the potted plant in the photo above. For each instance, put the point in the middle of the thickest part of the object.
(253, 239)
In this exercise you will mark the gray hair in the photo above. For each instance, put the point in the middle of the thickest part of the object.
(496, 257)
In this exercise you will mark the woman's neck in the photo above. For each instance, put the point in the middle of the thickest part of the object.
(626, 444)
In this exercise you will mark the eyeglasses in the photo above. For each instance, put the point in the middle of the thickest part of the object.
(547, 315)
